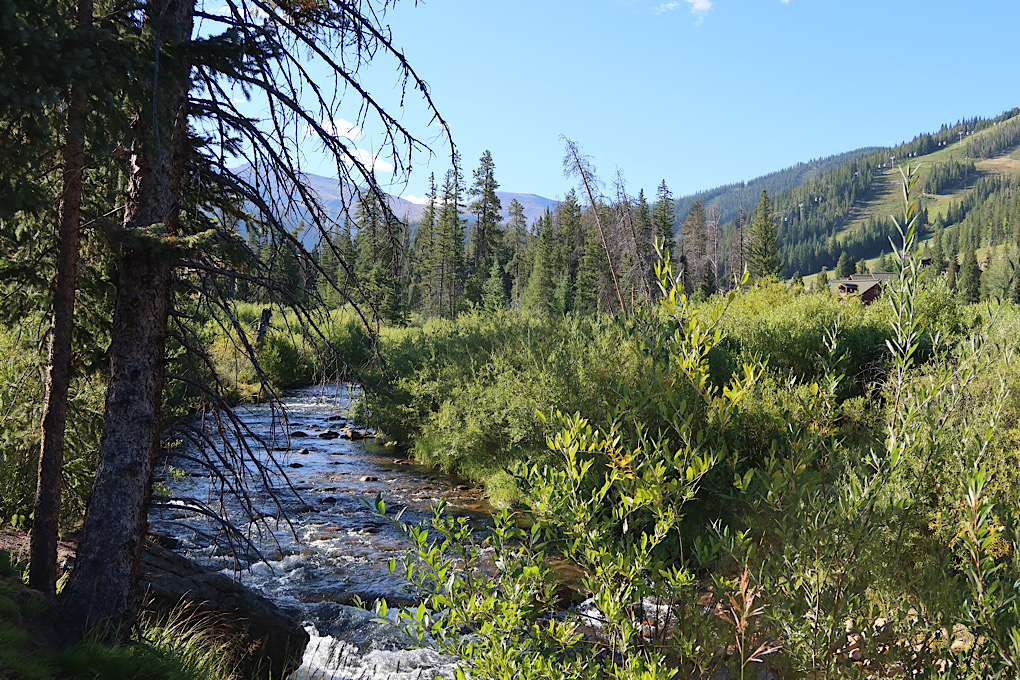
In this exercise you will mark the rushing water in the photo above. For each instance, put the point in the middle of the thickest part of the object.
(321, 546)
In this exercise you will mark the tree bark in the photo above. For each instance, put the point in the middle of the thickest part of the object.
(42, 573)
(99, 595)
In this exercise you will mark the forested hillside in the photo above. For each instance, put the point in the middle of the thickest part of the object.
(848, 209)
(732, 199)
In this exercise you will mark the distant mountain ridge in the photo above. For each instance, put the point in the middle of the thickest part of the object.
(333, 195)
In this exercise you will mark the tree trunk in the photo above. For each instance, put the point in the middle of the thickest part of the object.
(42, 573)
(99, 595)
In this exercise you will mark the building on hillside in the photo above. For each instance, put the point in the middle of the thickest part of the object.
(866, 286)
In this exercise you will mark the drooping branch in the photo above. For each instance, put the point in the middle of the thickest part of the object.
(574, 163)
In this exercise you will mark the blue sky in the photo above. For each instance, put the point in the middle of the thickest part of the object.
(696, 92)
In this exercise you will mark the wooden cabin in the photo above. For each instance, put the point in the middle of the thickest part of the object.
(867, 286)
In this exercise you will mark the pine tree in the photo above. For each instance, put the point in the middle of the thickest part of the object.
(970, 278)
(845, 266)
(763, 259)
(494, 291)
(486, 208)
(646, 237)
(563, 294)
(695, 237)
(708, 285)
(938, 255)
(538, 296)
(451, 237)
(886, 263)
(822, 282)
(520, 257)
(428, 257)
(664, 219)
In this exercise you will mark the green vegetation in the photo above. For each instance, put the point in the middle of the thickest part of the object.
(874, 535)
(173, 649)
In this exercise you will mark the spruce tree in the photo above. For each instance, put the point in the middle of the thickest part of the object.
(590, 269)
(822, 283)
(451, 237)
(486, 208)
(664, 219)
(938, 255)
(538, 296)
(645, 236)
(845, 266)
(970, 278)
(494, 291)
(519, 256)
(763, 258)
(428, 257)
(708, 284)
(695, 234)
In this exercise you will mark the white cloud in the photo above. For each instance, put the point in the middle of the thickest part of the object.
(369, 160)
(699, 8)
(417, 200)
(342, 129)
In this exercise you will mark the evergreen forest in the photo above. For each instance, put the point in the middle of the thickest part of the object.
(703, 461)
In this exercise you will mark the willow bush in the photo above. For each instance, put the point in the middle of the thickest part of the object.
(878, 556)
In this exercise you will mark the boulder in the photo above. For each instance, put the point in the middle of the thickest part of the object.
(264, 640)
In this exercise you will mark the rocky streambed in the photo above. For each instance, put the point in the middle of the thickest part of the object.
(320, 546)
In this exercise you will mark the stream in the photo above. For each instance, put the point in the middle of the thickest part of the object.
(334, 549)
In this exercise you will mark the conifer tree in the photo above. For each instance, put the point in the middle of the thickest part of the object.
(563, 298)
(494, 291)
(664, 218)
(763, 259)
(970, 278)
(695, 233)
(708, 286)
(886, 263)
(538, 296)
(517, 245)
(428, 257)
(451, 237)
(938, 255)
(486, 208)
(645, 236)
(590, 273)
(845, 266)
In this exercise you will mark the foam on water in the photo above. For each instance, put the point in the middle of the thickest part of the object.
(334, 548)
(327, 658)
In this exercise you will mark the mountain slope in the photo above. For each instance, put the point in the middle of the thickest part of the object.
(730, 198)
(849, 207)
